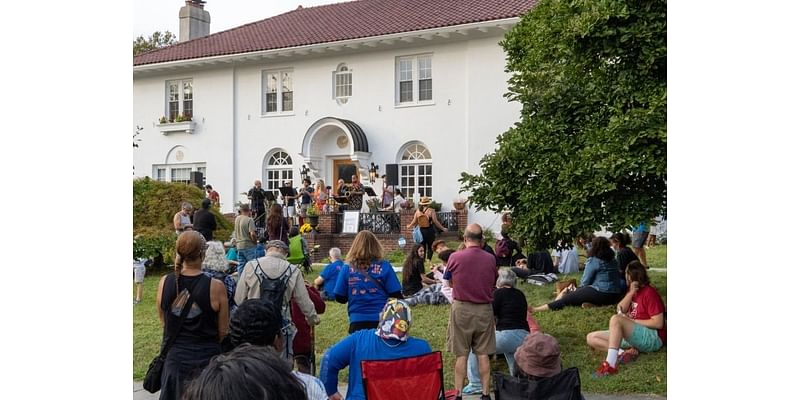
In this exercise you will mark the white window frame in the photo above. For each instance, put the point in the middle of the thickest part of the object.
(415, 158)
(342, 78)
(415, 78)
(168, 171)
(278, 169)
(181, 98)
(280, 106)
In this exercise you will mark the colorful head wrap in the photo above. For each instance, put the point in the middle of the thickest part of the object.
(395, 320)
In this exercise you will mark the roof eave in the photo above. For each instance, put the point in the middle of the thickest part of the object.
(424, 35)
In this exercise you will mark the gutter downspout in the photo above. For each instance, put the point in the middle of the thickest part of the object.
(235, 128)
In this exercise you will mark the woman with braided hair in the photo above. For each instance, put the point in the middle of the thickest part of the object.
(206, 323)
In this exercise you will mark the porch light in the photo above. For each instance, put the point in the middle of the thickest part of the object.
(373, 172)
(304, 172)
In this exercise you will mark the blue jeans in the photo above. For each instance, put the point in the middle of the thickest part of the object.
(506, 343)
(245, 255)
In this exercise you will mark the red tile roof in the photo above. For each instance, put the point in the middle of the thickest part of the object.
(341, 21)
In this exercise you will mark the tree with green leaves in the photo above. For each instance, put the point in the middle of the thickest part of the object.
(590, 149)
(155, 41)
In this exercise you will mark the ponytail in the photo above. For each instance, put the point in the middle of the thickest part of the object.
(178, 268)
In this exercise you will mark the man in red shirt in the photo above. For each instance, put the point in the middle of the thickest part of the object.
(639, 325)
(212, 195)
(472, 274)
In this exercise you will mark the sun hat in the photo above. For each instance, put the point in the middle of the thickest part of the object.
(425, 201)
(395, 320)
(539, 355)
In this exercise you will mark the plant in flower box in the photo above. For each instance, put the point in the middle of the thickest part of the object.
(374, 204)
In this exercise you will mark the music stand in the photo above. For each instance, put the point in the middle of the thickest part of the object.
(368, 190)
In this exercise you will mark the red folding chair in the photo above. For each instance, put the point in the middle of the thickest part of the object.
(410, 378)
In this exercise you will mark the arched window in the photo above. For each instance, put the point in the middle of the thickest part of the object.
(278, 169)
(342, 83)
(416, 171)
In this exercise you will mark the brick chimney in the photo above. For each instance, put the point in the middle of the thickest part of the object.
(195, 22)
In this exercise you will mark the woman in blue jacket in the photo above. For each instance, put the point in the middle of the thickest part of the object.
(601, 282)
(365, 282)
(389, 341)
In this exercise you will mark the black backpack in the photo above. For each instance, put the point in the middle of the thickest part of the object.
(273, 289)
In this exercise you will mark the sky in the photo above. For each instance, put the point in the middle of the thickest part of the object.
(162, 15)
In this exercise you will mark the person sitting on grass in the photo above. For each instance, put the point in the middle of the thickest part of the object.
(639, 325)
(440, 293)
(326, 281)
(620, 242)
(414, 271)
(600, 284)
(390, 341)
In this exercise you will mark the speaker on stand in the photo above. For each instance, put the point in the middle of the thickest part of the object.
(392, 176)
(196, 178)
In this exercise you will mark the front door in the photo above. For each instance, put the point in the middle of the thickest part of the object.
(343, 169)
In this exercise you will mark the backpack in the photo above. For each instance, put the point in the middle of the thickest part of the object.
(272, 291)
(502, 248)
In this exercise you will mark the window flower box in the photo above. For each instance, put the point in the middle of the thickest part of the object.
(171, 127)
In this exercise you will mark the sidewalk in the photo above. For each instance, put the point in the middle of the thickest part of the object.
(140, 394)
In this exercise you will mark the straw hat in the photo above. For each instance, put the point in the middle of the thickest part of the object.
(425, 201)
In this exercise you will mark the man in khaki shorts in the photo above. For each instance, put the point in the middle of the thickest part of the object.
(471, 273)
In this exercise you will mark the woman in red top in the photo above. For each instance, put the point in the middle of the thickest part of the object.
(639, 325)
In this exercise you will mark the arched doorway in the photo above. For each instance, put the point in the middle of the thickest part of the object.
(336, 148)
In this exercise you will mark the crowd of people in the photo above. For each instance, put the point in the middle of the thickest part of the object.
(238, 331)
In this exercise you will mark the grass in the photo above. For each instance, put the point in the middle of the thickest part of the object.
(648, 375)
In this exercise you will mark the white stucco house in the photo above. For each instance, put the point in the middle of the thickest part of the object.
(417, 83)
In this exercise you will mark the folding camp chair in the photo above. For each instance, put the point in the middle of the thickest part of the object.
(564, 386)
(410, 378)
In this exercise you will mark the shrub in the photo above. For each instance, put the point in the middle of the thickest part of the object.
(154, 205)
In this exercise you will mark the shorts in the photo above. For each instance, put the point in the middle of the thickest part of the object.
(288, 211)
(303, 208)
(643, 339)
(138, 273)
(639, 239)
(471, 327)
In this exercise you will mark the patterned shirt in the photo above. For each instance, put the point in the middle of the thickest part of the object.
(230, 287)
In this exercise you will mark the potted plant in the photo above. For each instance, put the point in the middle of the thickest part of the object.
(407, 204)
(185, 117)
(459, 203)
(312, 212)
(162, 120)
(374, 204)
(435, 205)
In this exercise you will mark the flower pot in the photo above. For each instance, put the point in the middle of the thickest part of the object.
(459, 206)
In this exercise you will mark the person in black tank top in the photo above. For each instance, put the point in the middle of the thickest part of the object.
(198, 339)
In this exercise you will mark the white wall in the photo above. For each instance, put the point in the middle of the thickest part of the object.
(468, 113)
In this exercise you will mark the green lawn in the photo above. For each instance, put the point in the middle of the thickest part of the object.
(648, 375)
